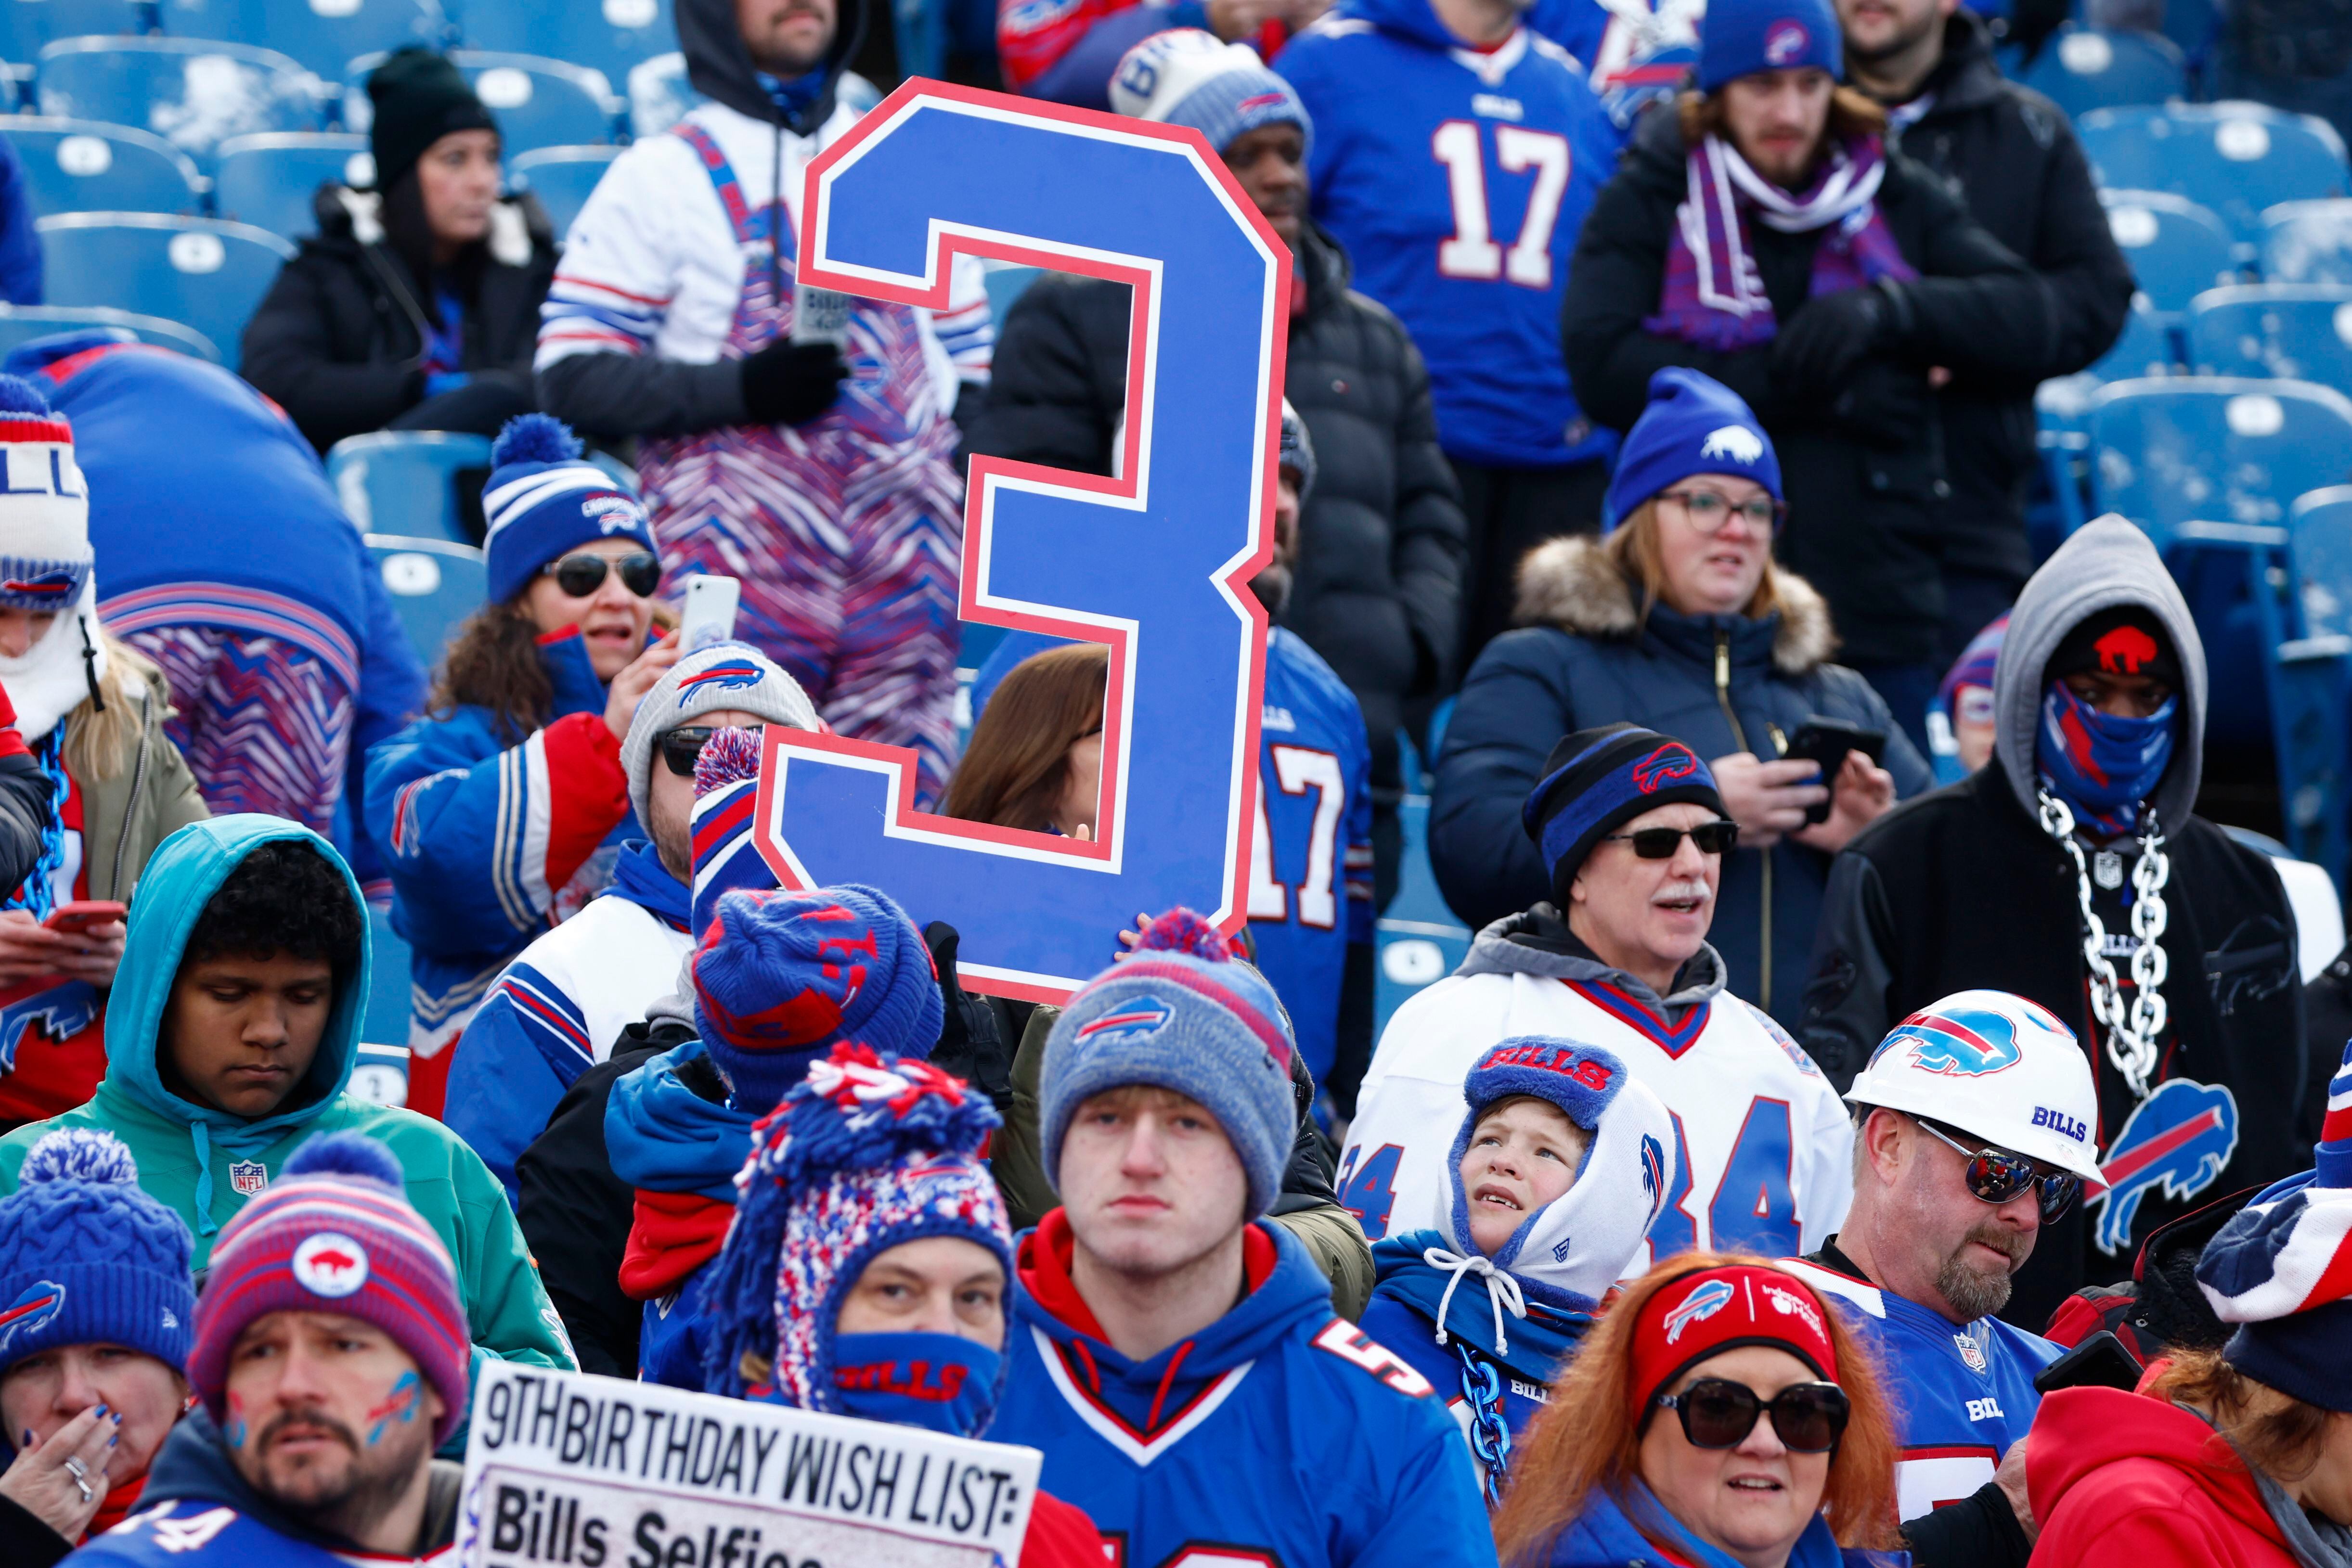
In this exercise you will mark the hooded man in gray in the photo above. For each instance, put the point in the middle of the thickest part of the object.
(2079, 838)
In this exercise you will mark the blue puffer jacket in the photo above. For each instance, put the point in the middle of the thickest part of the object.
(1720, 684)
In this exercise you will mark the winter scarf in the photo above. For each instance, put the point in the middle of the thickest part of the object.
(681, 1153)
(1714, 297)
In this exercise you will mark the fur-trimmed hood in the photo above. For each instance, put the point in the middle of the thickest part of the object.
(1572, 584)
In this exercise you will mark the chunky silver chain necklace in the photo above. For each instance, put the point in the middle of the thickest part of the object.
(2131, 1032)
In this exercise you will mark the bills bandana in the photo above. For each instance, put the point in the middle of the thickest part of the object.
(2177, 1143)
(1668, 764)
(727, 675)
(1967, 1043)
(1135, 1020)
(40, 1301)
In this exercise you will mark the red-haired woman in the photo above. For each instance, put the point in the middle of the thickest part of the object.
(1718, 1415)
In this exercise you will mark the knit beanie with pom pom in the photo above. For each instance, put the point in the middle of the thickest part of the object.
(335, 1233)
(47, 564)
(867, 1151)
(780, 977)
(1181, 1013)
(543, 498)
(88, 1257)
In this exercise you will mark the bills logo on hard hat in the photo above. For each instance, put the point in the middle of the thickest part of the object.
(1663, 767)
(1131, 1020)
(63, 1011)
(1736, 441)
(38, 1304)
(1784, 42)
(1966, 1042)
(330, 1264)
(1971, 1350)
(1698, 1307)
(2177, 1141)
(727, 675)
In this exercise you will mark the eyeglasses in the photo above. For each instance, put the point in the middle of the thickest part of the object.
(1660, 843)
(582, 574)
(1997, 1178)
(1716, 1413)
(680, 747)
(1709, 510)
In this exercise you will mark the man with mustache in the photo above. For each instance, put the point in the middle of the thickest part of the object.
(1974, 1127)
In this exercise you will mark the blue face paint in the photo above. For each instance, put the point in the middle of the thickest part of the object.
(234, 1430)
(2103, 766)
(400, 1405)
(940, 1381)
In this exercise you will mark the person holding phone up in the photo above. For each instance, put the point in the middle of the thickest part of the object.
(1677, 620)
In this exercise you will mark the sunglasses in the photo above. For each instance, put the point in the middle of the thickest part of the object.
(1716, 1413)
(582, 574)
(1660, 843)
(1996, 1177)
(680, 747)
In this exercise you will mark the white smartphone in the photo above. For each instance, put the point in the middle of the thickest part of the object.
(709, 614)
(820, 315)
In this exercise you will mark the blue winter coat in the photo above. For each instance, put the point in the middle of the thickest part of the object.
(1720, 684)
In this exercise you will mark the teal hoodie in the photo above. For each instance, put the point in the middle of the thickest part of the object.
(205, 1162)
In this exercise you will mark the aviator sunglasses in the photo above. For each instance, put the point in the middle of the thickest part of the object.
(582, 574)
(1716, 1413)
(1996, 1177)
(1660, 843)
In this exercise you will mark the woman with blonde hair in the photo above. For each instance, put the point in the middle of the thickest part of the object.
(1719, 1416)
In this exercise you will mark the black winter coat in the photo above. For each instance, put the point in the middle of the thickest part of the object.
(338, 340)
(2026, 181)
(1381, 540)
(1863, 504)
(1719, 684)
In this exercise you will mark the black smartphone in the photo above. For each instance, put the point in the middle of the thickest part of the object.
(2099, 1362)
(1826, 741)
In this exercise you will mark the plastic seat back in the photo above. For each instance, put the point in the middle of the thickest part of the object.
(402, 482)
(200, 272)
(2177, 250)
(2319, 542)
(2290, 331)
(2143, 349)
(562, 178)
(88, 166)
(322, 35)
(27, 25)
(2221, 449)
(2083, 69)
(614, 36)
(434, 585)
(22, 323)
(271, 181)
(2308, 242)
(194, 94)
(538, 103)
(2234, 158)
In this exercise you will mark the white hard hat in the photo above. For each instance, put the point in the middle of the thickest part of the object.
(1994, 1065)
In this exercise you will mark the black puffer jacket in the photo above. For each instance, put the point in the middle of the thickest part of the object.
(338, 338)
(1382, 542)
(1863, 504)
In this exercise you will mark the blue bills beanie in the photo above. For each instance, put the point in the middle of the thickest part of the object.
(1597, 780)
(1189, 77)
(1694, 425)
(1740, 37)
(543, 498)
(780, 977)
(1179, 1013)
(88, 1257)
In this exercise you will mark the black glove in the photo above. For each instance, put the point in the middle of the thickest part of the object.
(1815, 354)
(970, 1046)
(791, 383)
(1884, 403)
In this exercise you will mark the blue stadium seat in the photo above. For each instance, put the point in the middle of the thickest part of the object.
(2177, 250)
(23, 323)
(2232, 450)
(194, 94)
(2083, 69)
(433, 584)
(614, 36)
(2308, 242)
(401, 482)
(88, 166)
(539, 102)
(2319, 540)
(2144, 349)
(27, 24)
(386, 1024)
(2313, 682)
(322, 35)
(271, 181)
(2296, 332)
(200, 272)
(560, 177)
(2235, 158)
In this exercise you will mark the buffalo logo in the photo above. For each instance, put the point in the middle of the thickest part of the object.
(727, 675)
(1698, 1307)
(1665, 766)
(1261, 100)
(40, 1301)
(1785, 43)
(1736, 441)
(2125, 651)
(614, 514)
(1971, 1350)
(1131, 1020)
(62, 1012)
(2177, 1141)
(1653, 1173)
(48, 587)
(1967, 1043)
(330, 1264)
(246, 1177)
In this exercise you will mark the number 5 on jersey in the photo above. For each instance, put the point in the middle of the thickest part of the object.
(1473, 251)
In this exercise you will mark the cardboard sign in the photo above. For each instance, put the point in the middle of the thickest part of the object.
(571, 1468)
(1153, 564)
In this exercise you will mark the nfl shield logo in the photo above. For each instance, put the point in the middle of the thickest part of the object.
(1970, 1351)
(246, 1177)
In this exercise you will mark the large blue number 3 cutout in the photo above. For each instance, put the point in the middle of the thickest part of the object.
(1153, 564)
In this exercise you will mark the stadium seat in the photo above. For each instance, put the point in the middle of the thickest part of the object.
(402, 482)
(2172, 452)
(23, 323)
(2313, 682)
(614, 36)
(27, 24)
(433, 584)
(199, 272)
(2319, 541)
(272, 179)
(2296, 332)
(387, 1004)
(2083, 69)
(560, 177)
(2235, 158)
(2144, 348)
(194, 94)
(2308, 242)
(320, 34)
(539, 102)
(2177, 250)
(87, 166)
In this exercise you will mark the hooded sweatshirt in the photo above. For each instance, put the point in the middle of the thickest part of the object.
(1349, 1459)
(1962, 888)
(202, 1164)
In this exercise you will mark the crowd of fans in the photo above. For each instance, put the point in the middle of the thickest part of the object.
(1808, 1163)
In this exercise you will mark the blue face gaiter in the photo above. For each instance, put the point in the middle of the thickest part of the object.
(940, 1381)
(2101, 765)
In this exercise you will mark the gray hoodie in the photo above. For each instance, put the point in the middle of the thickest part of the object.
(1538, 942)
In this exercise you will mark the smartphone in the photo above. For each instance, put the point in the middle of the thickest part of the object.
(1826, 741)
(709, 614)
(821, 315)
(2099, 1362)
(78, 917)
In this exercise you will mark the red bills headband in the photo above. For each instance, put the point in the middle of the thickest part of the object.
(1715, 1309)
